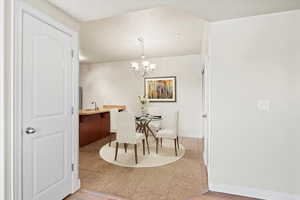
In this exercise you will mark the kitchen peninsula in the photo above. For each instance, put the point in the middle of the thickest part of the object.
(95, 124)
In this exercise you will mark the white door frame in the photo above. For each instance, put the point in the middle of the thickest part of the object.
(6, 66)
(2, 100)
(17, 94)
(208, 121)
(205, 113)
(209, 109)
(208, 103)
(207, 126)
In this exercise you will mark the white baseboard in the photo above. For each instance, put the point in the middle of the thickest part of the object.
(254, 193)
(76, 186)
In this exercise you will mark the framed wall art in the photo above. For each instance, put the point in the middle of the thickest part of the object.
(160, 89)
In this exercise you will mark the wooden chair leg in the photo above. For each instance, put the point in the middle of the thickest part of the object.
(156, 145)
(117, 147)
(143, 147)
(110, 136)
(178, 142)
(125, 147)
(161, 142)
(175, 142)
(147, 144)
(135, 152)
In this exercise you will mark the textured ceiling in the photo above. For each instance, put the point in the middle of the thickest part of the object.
(109, 28)
(166, 31)
(212, 10)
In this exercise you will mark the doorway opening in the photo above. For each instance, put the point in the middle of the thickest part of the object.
(107, 81)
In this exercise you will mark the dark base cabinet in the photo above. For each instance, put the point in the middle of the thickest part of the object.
(93, 127)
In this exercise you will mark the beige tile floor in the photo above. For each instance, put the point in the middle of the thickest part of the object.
(182, 180)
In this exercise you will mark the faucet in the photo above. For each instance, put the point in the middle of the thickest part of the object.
(95, 103)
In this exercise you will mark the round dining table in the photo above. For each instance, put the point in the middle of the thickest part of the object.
(143, 125)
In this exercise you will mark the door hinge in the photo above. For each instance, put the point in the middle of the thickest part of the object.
(72, 110)
(73, 167)
(72, 53)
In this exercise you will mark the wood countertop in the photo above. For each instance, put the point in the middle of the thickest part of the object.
(93, 112)
(105, 109)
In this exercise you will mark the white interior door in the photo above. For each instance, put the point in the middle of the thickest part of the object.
(47, 102)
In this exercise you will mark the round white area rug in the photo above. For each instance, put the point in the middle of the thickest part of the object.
(166, 154)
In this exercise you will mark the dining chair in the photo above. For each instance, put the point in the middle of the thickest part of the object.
(155, 111)
(170, 132)
(127, 134)
(113, 123)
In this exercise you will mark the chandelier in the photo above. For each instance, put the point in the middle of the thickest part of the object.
(143, 67)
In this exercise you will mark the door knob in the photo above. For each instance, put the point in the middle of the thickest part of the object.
(30, 130)
(204, 115)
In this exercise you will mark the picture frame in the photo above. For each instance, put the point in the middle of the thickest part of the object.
(160, 89)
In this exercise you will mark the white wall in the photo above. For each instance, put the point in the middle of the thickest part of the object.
(256, 58)
(113, 83)
(54, 12)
